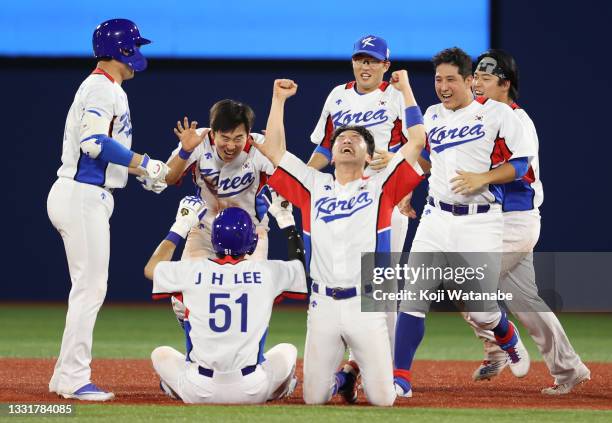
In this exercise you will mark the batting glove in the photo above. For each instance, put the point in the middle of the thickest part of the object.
(191, 210)
(282, 210)
(152, 185)
(154, 169)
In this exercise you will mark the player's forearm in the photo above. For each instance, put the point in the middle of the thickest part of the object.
(163, 252)
(295, 245)
(500, 175)
(317, 161)
(136, 171)
(177, 167)
(425, 165)
(274, 147)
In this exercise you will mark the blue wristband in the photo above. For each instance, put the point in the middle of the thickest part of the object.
(174, 238)
(413, 116)
(184, 154)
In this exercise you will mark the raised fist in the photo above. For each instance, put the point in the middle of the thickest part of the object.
(284, 88)
(399, 80)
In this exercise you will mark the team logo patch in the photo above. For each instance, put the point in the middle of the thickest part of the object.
(208, 156)
(330, 208)
(367, 42)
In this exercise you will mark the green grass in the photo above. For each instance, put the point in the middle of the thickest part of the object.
(132, 331)
(296, 413)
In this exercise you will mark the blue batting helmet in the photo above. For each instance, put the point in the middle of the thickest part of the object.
(120, 39)
(233, 233)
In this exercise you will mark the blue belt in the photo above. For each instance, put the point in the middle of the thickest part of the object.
(209, 372)
(457, 209)
(340, 293)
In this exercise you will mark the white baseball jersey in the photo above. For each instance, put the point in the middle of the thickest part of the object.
(526, 193)
(476, 138)
(101, 95)
(238, 183)
(381, 111)
(342, 221)
(229, 305)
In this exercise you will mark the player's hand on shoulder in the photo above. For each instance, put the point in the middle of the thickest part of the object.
(466, 183)
(405, 207)
(381, 159)
(399, 80)
(281, 210)
(284, 88)
(187, 134)
(154, 169)
(190, 211)
(157, 186)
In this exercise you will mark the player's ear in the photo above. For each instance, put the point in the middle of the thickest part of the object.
(387, 65)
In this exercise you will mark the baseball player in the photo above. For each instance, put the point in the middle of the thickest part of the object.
(227, 171)
(344, 215)
(496, 77)
(230, 302)
(96, 159)
(368, 101)
(464, 137)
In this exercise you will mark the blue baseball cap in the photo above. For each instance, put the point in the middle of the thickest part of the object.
(372, 46)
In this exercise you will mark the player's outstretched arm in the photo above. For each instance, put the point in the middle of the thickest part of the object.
(317, 161)
(190, 212)
(274, 146)
(413, 119)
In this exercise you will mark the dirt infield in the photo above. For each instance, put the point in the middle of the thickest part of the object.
(444, 384)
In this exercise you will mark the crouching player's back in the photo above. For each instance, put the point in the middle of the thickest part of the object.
(230, 302)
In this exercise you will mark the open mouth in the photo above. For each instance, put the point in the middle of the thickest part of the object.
(365, 76)
(229, 154)
(346, 150)
(478, 93)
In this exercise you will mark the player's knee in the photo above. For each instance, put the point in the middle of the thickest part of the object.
(91, 147)
(161, 354)
(484, 319)
(382, 397)
(315, 392)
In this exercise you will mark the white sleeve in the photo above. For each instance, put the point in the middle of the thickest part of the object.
(512, 131)
(290, 276)
(98, 111)
(322, 132)
(168, 277)
(262, 164)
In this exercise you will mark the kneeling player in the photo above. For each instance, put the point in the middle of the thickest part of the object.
(230, 302)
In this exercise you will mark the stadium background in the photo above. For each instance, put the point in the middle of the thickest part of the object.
(565, 85)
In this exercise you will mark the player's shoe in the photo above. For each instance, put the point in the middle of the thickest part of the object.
(403, 387)
(493, 364)
(167, 390)
(90, 392)
(583, 375)
(518, 357)
(346, 382)
(292, 385)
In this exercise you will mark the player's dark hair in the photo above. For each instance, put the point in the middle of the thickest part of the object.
(361, 130)
(456, 57)
(226, 115)
(508, 65)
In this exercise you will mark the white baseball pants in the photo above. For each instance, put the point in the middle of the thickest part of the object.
(268, 382)
(81, 213)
